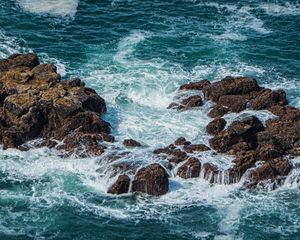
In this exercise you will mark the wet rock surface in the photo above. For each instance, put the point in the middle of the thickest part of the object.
(153, 180)
(121, 186)
(247, 138)
(35, 103)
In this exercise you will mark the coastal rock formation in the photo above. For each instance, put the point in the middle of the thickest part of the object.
(153, 180)
(35, 103)
(191, 169)
(247, 138)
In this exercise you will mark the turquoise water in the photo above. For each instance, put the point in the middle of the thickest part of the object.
(136, 54)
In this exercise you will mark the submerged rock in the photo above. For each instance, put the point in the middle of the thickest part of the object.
(153, 180)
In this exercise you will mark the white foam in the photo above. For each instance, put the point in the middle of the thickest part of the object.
(62, 8)
(288, 8)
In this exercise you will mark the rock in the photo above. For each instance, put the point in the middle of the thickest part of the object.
(211, 173)
(191, 169)
(187, 103)
(121, 186)
(34, 103)
(243, 161)
(271, 170)
(174, 154)
(196, 148)
(230, 86)
(239, 131)
(152, 180)
(195, 85)
(216, 126)
(268, 98)
(218, 111)
(181, 142)
(131, 143)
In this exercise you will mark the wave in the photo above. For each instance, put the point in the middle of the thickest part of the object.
(281, 10)
(60, 8)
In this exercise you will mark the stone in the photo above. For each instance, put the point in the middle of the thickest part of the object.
(131, 143)
(194, 85)
(152, 180)
(216, 126)
(191, 169)
(121, 186)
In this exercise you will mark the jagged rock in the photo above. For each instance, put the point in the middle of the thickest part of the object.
(196, 148)
(131, 143)
(191, 169)
(195, 85)
(187, 103)
(152, 180)
(121, 186)
(239, 131)
(211, 173)
(230, 86)
(34, 103)
(268, 98)
(174, 154)
(181, 142)
(216, 126)
(218, 111)
(272, 171)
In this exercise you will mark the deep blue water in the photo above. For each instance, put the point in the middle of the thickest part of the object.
(136, 54)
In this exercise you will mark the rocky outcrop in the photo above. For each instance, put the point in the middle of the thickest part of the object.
(121, 186)
(35, 103)
(247, 138)
(152, 180)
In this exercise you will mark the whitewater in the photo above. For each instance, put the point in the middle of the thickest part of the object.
(136, 54)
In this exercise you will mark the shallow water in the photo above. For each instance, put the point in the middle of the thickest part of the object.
(136, 54)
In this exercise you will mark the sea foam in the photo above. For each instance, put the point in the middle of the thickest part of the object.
(61, 8)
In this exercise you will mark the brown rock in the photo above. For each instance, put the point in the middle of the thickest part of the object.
(121, 186)
(34, 103)
(191, 169)
(196, 148)
(152, 180)
(270, 170)
(187, 103)
(195, 85)
(181, 142)
(131, 143)
(230, 86)
(211, 173)
(216, 126)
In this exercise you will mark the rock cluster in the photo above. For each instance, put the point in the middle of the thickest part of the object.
(36, 104)
(259, 149)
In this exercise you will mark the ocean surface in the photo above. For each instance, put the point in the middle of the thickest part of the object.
(136, 54)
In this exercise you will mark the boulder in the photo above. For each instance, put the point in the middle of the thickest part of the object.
(230, 86)
(121, 186)
(216, 126)
(181, 142)
(191, 169)
(271, 171)
(152, 180)
(196, 148)
(211, 173)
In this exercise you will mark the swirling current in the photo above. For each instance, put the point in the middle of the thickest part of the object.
(136, 54)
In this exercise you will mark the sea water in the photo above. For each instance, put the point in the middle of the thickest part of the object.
(136, 54)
